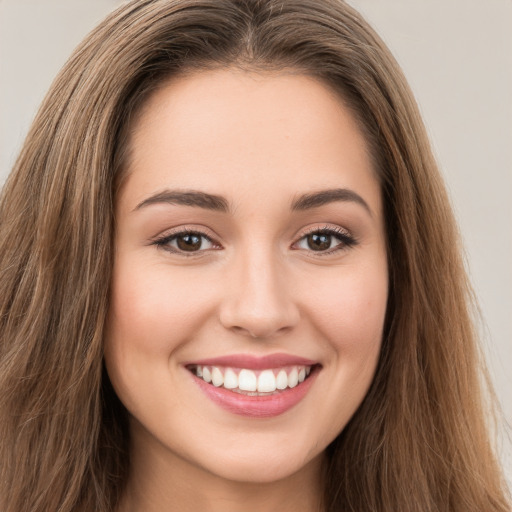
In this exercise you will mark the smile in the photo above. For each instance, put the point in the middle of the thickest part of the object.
(255, 387)
(253, 382)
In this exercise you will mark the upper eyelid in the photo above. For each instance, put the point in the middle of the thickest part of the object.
(332, 229)
(172, 236)
(173, 232)
(326, 228)
(207, 232)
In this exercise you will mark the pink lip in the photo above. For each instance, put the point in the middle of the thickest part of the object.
(265, 406)
(253, 362)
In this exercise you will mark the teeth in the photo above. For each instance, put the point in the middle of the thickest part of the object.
(293, 378)
(217, 377)
(230, 379)
(207, 375)
(282, 380)
(247, 380)
(265, 381)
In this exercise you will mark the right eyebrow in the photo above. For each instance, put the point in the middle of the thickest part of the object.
(323, 197)
(187, 198)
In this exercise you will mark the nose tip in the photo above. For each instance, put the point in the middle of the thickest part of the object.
(259, 326)
(259, 306)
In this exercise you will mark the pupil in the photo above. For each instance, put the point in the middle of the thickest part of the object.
(189, 242)
(319, 242)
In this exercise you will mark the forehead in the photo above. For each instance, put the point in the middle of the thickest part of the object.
(244, 131)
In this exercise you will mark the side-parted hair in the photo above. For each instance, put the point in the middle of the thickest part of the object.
(420, 440)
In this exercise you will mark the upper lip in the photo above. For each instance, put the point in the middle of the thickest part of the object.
(254, 362)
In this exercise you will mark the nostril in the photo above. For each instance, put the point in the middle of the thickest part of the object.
(260, 331)
(259, 308)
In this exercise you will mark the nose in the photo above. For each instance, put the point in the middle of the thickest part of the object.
(259, 301)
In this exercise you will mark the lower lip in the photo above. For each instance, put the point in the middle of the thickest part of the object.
(265, 406)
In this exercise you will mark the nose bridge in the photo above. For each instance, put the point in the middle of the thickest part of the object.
(259, 302)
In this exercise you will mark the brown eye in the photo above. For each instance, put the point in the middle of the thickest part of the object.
(326, 241)
(319, 241)
(189, 242)
(186, 242)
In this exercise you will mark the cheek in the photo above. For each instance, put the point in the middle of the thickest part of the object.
(153, 309)
(153, 312)
(348, 308)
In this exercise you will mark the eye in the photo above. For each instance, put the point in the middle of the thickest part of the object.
(186, 242)
(326, 240)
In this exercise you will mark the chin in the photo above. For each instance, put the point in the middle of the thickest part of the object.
(264, 469)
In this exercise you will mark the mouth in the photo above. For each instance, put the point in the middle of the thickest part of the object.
(249, 382)
(255, 387)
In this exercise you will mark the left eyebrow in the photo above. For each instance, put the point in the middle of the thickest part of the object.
(323, 197)
(187, 198)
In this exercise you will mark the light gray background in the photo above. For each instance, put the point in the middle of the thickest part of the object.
(457, 55)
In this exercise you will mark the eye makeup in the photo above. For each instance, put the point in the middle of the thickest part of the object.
(191, 241)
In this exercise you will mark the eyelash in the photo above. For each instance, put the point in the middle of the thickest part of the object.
(346, 240)
(164, 241)
(344, 237)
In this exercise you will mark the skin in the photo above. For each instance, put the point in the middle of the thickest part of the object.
(260, 141)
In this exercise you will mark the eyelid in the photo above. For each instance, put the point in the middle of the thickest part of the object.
(344, 236)
(347, 239)
(165, 237)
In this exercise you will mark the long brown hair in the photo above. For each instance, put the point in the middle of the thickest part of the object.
(419, 442)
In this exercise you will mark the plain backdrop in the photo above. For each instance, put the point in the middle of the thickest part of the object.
(457, 55)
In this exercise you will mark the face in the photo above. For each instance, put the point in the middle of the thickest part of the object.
(250, 278)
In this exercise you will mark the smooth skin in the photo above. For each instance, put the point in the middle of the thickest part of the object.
(246, 276)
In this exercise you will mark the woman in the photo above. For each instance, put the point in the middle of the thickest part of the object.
(231, 277)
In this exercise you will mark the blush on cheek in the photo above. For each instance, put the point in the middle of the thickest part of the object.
(356, 314)
(156, 313)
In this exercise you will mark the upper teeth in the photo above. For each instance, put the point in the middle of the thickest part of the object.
(262, 381)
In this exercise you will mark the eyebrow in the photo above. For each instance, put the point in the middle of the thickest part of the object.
(323, 197)
(214, 202)
(187, 198)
